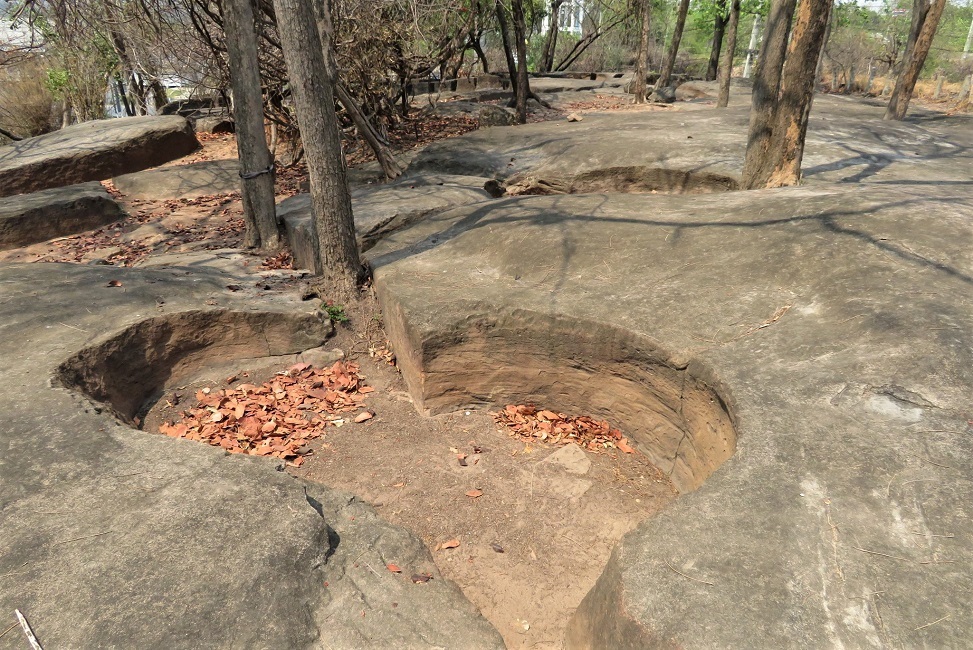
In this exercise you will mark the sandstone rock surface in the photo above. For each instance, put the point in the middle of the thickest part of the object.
(93, 151)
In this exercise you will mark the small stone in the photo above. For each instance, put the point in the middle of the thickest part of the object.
(574, 117)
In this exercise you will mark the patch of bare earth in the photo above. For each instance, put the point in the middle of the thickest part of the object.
(523, 526)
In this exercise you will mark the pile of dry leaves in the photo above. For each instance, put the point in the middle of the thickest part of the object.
(276, 418)
(527, 422)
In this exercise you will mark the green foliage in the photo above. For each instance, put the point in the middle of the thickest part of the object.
(336, 313)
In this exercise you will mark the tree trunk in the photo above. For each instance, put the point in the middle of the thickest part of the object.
(719, 30)
(550, 41)
(665, 77)
(383, 154)
(827, 35)
(256, 163)
(159, 95)
(642, 55)
(752, 48)
(505, 37)
(925, 21)
(766, 91)
(122, 95)
(336, 257)
(480, 54)
(522, 81)
(726, 67)
(797, 93)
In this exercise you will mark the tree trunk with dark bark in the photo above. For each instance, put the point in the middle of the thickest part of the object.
(506, 38)
(925, 21)
(726, 66)
(642, 55)
(256, 163)
(550, 41)
(766, 89)
(797, 94)
(522, 82)
(337, 257)
(665, 76)
(719, 31)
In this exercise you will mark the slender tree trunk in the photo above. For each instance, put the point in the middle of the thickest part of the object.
(827, 36)
(159, 95)
(522, 82)
(337, 257)
(925, 21)
(382, 152)
(120, 89)
(480, 54)
(550, 41)
(322, 14)
(752, 48)
(726, 66)
(766, 90)
(797, 93)
(665, 77)
(505, 37)
(719, 31)
(642, 55)
(256, 163)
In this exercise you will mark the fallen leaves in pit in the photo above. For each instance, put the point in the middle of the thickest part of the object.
(277, 418)
(529, 423)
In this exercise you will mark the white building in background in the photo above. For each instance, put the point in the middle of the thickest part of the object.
(570, 18)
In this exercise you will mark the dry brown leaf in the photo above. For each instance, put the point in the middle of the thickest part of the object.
(473, 494)
(364, 416)
(452, 543)
(393, 568)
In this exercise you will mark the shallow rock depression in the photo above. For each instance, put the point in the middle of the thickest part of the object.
(129, 371)
(669, 407)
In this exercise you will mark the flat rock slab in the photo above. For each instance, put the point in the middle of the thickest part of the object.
(382, 209)
(30, 218)
(93, 151)
(182, 181)
(847, 142)
(833, 323)
(118, 537)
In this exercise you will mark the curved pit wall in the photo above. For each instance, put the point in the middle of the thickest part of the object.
(620, 180)
(643, 180)
(675, 412)
(130, 370)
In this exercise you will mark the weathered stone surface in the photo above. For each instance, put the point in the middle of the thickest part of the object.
(182, 181)
(117, 537)
(847, 142)
(790, 304)
(93, 151)
(214, 124)
(382, 209)
(697, 90)
(30, 218)
(483, 81)
(485, 114)
(798, 360)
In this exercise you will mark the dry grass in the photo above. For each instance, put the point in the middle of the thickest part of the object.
(25, 101)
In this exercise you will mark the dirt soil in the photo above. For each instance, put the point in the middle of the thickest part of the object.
(535, 535)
